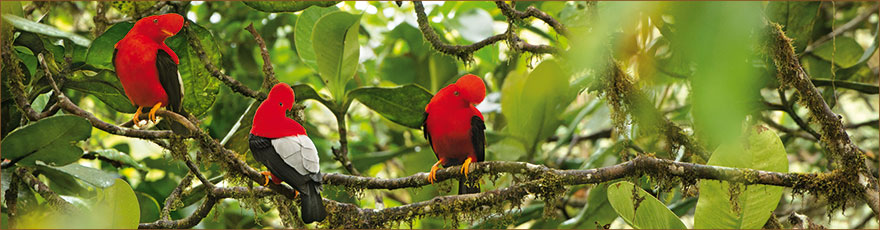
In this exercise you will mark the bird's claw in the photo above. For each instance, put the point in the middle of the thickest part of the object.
(152, 114)
(265, 177)
(136, 115)
(465, 167)
(432, 176)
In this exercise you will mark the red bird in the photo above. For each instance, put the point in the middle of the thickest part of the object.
(147, 68)
(455, 128)
(282, 145)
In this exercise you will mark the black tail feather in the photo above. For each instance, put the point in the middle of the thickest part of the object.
(464, 188)
(312, 207)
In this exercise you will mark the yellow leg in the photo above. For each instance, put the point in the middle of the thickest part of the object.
(153, 111)
(265, 177)
(432, 176)
(465, 168)
(136, 115)
(295, 194)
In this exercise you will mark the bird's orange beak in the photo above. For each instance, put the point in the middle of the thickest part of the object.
(169, 33)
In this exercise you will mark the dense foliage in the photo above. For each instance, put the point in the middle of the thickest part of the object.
(572, 86)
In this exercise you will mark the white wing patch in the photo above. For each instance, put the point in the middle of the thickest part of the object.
(299, 152)
(180, 81)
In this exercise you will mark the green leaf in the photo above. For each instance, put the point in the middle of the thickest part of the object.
(106, 87)
(596, 213)
(284, 6)
(532, 103)
(36, 27)
(797, 19)
(50, 140)
(9, 8)
(304, 92)
(404, 105)
(474, 25)
(117, 207)
(120, 157)
(149, 207)
(93, 176)
(844, 52)
(762, 151)
(650, 212)
(100, 53)
(305, 23)
(337, 53)
(201, 88)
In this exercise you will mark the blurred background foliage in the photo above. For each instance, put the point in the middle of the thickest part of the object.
(702, 65)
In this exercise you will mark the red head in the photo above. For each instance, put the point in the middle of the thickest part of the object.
(271, 120)
(466, 92)
(159, 27)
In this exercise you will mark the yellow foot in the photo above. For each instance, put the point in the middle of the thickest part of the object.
(266, 177)
(295, 194)
(136, 115)
(432, 176)
(152, 114)
(465, 168)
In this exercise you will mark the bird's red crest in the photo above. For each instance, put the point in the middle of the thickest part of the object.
(159, 27)
(270, 119)
(472, 87)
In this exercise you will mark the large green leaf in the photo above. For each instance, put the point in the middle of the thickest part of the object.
(844, 52)
(753, 205)
(105, 86)
(9, 8)
(50, 140)
(404, 105)
(650, 213)
(201, 88)
(532, 102)
(797, 19)
(338, 50)
(93, 176)
(100, 53)
(36, 27)
(117, 207)
(285, 6)
(305, 23)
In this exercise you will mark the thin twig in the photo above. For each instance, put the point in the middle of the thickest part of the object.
(233, 84)
(788, 108)
(857, 86)
(510, 12)
(852, 24)
(268, 71)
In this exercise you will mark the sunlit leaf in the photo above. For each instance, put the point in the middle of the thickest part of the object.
(305, 23)
(647, 213)
(50, 140)
(40, 28)
(115, 155)
(93, 176)
(117, 207)
(762, 150)
(284, 6)
(337, 53)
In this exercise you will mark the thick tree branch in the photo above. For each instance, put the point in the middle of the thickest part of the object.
(233, 84)
(268, 71)
(845, 154)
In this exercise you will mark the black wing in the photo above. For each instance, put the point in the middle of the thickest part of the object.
(170, 80)
(478, 137)
(265, 153)
(427, 134)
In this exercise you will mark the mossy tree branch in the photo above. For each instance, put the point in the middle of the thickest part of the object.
(233, 84)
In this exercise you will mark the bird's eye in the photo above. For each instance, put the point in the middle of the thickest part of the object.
(155, 20)
(456, 93)
(280, 104)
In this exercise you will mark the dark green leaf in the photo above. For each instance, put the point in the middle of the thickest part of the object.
(404, 105)
(93, 176)
(115, 155)
(36, 27)
(201, 88)
(796, 18)
(303, 33)
(106, 87)
(49, 140)
(337, 53)
(650, 213)
(284, 6)
(100, 53)
(596, 213)
(149, 207)
(304, 92)
(844, 52)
